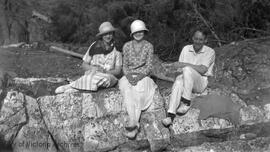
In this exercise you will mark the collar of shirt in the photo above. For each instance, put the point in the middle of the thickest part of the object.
(191, 49)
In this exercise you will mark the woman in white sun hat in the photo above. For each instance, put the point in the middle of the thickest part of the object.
(136, 86)
(102, 63)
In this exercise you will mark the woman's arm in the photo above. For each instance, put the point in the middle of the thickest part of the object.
(116, 71)
(117, 65)
(149, 60)
(126, 69)
(85, 66)
(88, 67)
(149, 63)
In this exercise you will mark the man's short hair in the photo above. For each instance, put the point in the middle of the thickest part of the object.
(202, 30)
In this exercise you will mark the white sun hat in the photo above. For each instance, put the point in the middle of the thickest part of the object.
(137, 26)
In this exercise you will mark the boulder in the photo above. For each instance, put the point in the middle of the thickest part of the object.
(94, 121)
(75, 122)
(33, 118)
(258, 144)
(248, 114)
(244, 68)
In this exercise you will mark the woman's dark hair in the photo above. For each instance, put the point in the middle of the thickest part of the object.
(100, 36)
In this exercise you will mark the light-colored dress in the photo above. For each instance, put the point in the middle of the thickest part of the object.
(91, 80)
(140, 96)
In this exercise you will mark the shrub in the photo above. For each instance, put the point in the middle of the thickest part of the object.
(170, 21)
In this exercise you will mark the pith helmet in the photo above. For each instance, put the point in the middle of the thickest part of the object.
(137, 26)
(105, 27)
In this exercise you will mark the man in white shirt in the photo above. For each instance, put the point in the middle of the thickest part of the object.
(196, 62)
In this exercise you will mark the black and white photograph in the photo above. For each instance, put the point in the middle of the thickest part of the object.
(134, 76)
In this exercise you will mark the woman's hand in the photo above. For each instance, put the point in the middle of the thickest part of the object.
(140, 76)
(116, 71)
(134, 78)
(131, 78)
(98, 68)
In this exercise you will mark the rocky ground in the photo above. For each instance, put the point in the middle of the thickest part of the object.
(33, 118)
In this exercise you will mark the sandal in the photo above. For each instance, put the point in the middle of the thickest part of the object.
(131, 134)
(131, 128)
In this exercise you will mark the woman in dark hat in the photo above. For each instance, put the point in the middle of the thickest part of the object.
(102, 63)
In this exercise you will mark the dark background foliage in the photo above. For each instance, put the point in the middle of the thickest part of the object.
(171, 22)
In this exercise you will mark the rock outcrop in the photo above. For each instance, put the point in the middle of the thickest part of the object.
(75, 122)
(94, 121)
(233, 146)
(33, 118)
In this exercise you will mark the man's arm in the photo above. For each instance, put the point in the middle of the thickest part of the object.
(202, 69)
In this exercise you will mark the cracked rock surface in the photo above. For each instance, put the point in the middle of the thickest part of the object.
(75, 122)
(33, 118)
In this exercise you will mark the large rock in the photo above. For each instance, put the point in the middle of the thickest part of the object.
(33, 118)
(95, 121)
(244, 68)
(75, 122)
(22, 124)
(255, 145)
(249, 114)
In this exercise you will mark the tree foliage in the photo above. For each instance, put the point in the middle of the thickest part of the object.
(170, 22)
(13, 16)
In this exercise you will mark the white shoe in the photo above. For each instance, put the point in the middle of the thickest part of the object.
(71, 90)
(62, 89)
(183, 108)
(167, 121)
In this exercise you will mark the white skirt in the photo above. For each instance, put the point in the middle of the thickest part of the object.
(139, 96)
